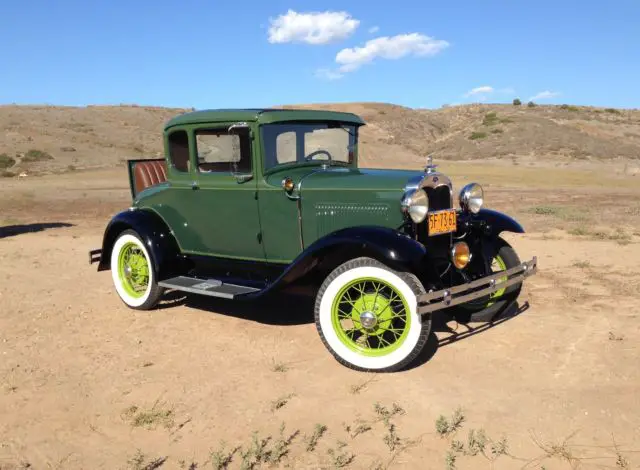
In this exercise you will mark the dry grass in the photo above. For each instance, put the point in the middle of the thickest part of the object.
(157, 415)
(281, 402)
(140, 461)
(6, 161)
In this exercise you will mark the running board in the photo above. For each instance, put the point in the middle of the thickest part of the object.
(210, 287)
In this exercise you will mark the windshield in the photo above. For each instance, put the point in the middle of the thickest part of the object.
(332, 143)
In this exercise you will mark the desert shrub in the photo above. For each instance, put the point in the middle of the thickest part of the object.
(517, 102)
(612, 111)
(490, 119)
(568, 107)
(531, 104)
(36, 156)
(477, 135)
(7, 174)
(6, 161)
(497, 131)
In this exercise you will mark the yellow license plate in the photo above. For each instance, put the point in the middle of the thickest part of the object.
(441, 222)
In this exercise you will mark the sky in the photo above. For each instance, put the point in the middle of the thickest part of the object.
(257, 53)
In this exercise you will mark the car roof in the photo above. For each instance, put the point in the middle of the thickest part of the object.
(262, 116)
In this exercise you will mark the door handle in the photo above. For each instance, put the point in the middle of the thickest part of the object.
(194, 185)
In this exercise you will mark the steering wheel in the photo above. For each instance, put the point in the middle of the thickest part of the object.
(318, 152)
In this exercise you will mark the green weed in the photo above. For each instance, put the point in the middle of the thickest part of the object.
(141, 462)
(490, 119)
(565, 213)
(478, 135)
(259, 452)
(447, 426)
(582, 264)
(281, 402)
(359, 427)
(357, 388)
(36, 156)
(312, 441)
(340, 458)
(156, 415)
(279, 367)
(6, 161)
(222, 458)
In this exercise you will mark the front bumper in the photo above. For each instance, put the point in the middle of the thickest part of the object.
(437, 300)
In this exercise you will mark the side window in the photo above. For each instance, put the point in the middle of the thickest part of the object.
(221, 152)
(179, 150)
(286, 147)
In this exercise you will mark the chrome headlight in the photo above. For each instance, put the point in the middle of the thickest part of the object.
(415, 204)
(472, 198)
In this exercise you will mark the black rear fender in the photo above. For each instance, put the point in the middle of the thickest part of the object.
(154, 233)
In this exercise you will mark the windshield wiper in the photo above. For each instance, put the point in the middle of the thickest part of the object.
(338, 126)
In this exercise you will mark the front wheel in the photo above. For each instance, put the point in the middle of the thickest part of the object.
(132, 272)
(487, 308)
(366, 315)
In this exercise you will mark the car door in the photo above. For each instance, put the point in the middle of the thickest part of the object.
(223, 204)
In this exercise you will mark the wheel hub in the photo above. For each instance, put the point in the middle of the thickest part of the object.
(128, 271)
(368, 320)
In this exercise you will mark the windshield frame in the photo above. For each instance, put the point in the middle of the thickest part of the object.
(346, 126)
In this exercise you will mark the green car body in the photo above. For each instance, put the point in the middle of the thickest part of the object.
(248, 201)
(269, 229)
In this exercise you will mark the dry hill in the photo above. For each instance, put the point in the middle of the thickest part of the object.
(50, 138)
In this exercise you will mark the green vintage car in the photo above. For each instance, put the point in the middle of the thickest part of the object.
(248, 201)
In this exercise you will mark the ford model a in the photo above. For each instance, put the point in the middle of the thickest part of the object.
(246, 202)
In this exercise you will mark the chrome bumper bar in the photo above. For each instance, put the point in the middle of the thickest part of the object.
(432, 301)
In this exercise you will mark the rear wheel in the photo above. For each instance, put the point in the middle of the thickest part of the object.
(366, 315)
(486, 308)
(132, 272)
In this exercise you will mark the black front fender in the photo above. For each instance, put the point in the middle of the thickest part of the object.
(389, 246)
(154, 233)
(496, 222)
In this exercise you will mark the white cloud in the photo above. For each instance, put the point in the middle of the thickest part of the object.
(391, 48)
(481, 90)
(374, 29)
(482, 93)
(328, 74)
(544, 95)
(311, 28)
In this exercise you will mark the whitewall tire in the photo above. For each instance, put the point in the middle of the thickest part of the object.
(366, 315)
(133, 272)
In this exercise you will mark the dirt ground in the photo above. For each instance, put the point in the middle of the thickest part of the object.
(86, 383)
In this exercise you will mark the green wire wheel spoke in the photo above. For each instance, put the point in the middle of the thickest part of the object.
(502, 266)
(380, 316)
(133, 270)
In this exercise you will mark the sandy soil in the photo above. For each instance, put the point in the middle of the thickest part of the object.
(87, 383)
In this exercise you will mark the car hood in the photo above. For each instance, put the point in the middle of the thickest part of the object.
(337, 198)
(350, 179)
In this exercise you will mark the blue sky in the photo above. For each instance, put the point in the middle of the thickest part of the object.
(418, 53)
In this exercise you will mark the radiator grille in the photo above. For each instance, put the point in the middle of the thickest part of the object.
(439, 198)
